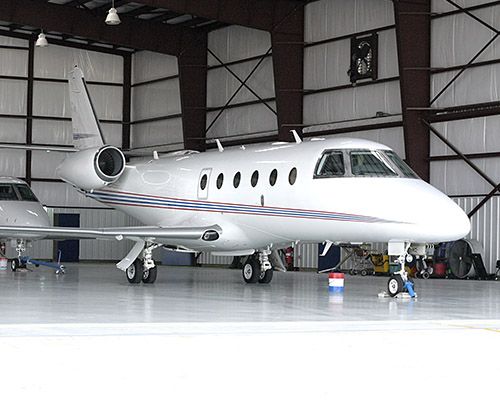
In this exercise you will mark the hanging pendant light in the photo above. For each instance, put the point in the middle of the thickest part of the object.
(112, 18)
(42, 40)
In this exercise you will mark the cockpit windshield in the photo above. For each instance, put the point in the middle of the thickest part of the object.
(361, 163)
(369, 163)
(402, 166)
(16, 192)
(331, 164)
(25, 193)
(7, 192)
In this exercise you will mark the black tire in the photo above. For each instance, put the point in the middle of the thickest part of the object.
(425, 275)
(14, 264)
(135, 272)
(364, 272)
(266, 277)
(251, 270)
(395, 285)
(149, 275)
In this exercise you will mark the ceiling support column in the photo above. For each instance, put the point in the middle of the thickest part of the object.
(192, 62)
(413, 33)
(287, 40)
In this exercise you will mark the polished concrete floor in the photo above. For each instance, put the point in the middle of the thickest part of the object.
(203, 332)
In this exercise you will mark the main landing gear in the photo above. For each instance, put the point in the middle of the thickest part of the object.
(143, 268)
(257, 268)
(18, 262)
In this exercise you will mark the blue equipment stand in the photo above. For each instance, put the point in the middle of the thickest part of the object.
(57, 266)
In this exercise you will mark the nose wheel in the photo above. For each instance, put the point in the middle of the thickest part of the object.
(400, 282)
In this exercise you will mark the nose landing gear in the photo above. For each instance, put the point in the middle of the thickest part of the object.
(400, 282)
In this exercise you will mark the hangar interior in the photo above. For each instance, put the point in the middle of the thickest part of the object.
(179, 74)
(144, 101)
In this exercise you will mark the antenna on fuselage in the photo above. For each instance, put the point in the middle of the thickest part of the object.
(296, 136)
(219, 145)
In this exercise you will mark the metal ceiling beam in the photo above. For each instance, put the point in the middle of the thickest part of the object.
(413, 20)
(132, 32)
(259, 14)
(288, 65)
(193, 91)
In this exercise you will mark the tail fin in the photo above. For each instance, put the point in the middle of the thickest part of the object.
(86, 129)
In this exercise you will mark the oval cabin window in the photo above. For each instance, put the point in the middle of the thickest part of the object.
(255, 178)
(220, 180)
(237, 179)
(292, 177)
(273, 177)
(203, 182)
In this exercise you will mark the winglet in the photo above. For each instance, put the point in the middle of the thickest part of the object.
(219, 145)
(86, 129)
(296, 136)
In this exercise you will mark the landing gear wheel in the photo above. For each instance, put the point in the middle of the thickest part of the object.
(135, 272)
(251, 270)
(266, 276)
(14, 264)
(395, 285)
(149, 275)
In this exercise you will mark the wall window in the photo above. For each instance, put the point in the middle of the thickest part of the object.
(273, 176)
(363, 58)
(255, 178)
(292, 176)
(237, 179)
(220, 180)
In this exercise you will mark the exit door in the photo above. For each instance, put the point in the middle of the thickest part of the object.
(204, 183)
(70, 249)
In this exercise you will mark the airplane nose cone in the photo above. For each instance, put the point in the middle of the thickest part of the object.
(444, 219)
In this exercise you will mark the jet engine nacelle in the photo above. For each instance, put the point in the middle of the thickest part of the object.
(92, 168)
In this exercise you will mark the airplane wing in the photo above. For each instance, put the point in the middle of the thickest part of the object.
(139, 233)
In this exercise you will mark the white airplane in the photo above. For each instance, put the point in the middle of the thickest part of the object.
(250, 200)
(19, 208)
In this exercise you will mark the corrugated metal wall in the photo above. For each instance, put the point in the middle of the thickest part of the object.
(485, 227)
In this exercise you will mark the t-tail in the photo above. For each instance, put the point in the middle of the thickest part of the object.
(87, 131)
(95, 165)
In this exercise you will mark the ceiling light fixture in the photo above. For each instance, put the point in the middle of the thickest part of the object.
(112, 18)
(42, 40)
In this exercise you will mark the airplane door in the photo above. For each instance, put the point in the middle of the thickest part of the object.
(204, 183)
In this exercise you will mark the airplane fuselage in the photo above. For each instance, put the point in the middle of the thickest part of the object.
(280, 199)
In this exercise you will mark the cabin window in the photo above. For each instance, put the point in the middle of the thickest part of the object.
(292, 176)
(330, 164)
(220, 180)
(203, 182)
(26, 193)
(369, 163)
(402, 166)
(255, 178)
(273, 177)
(7, 192)
(237, 179)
